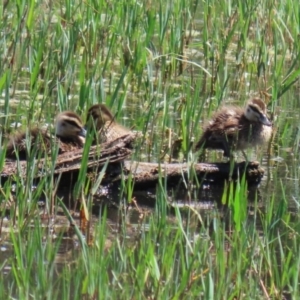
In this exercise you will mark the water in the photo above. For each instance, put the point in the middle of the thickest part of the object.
(169, 106)
(281, 166)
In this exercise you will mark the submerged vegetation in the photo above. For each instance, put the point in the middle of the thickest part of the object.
(164, 67)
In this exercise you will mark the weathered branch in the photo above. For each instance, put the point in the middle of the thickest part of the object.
(148, 174)
(143, 174)
(115, 151)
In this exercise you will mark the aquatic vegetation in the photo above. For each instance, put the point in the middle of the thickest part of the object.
(164, 67)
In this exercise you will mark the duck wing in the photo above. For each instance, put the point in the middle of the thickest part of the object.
(22, 144)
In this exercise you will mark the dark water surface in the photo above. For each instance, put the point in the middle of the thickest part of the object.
(280, 161)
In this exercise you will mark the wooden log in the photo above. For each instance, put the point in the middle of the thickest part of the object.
(148, 174)
(114, 151)
(143, 174)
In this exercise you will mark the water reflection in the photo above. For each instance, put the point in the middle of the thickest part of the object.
(198, 207)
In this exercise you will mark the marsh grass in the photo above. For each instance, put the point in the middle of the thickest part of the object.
(166, 66)
(189, 266)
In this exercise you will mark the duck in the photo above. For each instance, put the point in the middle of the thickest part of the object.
(237, 128)
(69, 135)
(69, 128)
(101, 122)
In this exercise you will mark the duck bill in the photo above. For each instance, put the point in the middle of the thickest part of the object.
(264, 120)
(82, 132)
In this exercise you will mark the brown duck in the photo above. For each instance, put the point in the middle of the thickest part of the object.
(101, 122)
(69, 131)
(235, 128)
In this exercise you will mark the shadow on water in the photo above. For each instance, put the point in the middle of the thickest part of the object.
(199, 207)
(114, 201)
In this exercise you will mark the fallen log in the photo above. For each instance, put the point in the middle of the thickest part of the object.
(114, 151)
(143, 174)
(149, 174)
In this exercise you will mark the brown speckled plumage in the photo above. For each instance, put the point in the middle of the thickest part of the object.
(235, 128)
(38, 142)
(105, 127)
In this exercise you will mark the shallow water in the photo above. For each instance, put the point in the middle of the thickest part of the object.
(281, 164)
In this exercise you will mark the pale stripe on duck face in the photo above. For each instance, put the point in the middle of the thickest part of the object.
(235, 128)
(69, 127)
(69, 131)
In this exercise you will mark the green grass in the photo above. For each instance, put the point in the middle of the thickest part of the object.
(163, 67)
(213, 259)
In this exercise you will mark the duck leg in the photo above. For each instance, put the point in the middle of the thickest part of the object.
(225, 147)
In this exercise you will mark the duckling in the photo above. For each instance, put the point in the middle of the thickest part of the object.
(69, 132)
(69, 128)
(102, 120)
(235, 128)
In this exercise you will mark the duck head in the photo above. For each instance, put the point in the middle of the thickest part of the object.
(99, 114)
(68, 125)
(256, 112)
